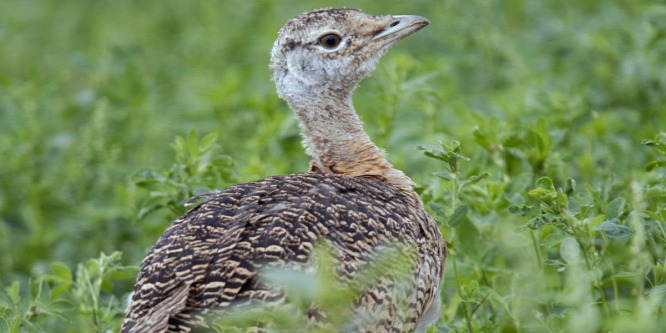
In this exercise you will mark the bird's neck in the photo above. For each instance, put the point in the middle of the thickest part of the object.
(336, 142)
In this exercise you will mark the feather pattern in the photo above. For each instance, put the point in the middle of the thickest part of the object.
(209, 259)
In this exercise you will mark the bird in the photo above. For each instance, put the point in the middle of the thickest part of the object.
(209, 261)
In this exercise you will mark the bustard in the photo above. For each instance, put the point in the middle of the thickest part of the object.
(352, 199)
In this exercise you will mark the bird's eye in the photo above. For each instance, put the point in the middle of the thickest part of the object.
(330, 41)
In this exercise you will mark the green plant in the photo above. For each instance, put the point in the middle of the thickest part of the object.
(199, 168)
(83, 301)
(560, 103)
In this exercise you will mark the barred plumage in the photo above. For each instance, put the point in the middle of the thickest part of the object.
(209, 258)
(353, 200)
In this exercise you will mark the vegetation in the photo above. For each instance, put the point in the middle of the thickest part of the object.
(549, 182)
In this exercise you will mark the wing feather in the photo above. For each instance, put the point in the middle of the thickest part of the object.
(208, 259)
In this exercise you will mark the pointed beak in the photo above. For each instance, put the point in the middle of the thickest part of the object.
(400, 27)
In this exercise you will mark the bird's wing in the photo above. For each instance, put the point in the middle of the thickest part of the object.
(209, 258)
(182, 257)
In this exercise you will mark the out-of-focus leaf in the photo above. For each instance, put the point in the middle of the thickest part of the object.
(553, 262)
(446, 175)
(475, 178)
(437, 210)
(614, 230)
(61, 270)
(553, 239)
(615, 209)
(655, 164)
(655, 192)
(16, 324)
(569, 187)
(626, 275)
(458, 215)
(570, 251)
(537, 222)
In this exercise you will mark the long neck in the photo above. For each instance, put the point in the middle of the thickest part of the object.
(336, 142)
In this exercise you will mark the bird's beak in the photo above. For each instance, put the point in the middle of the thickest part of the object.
(400, 27)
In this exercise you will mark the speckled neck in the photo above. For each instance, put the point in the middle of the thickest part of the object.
(336, 141)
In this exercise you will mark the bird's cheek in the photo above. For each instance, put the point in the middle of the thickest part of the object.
(302, 69)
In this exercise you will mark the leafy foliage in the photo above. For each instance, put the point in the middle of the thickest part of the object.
(554, 211)
(83, 301)
(199, 167)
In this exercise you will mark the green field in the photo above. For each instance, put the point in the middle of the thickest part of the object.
(113, 113)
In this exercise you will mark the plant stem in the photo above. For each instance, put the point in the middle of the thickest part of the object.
(549, 306)
(536, 250)
(468, 319)
(454, 199)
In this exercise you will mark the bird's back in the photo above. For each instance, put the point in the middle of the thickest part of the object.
(209, 259)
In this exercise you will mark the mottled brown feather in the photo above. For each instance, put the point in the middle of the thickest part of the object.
(215, 251)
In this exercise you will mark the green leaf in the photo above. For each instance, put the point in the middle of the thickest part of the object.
(545, 183)
(446, 175)
(449, 153)
(475, 178)
(208, 141)
(655, 192)
(16, 324)
(655, 164)
(553, 262)
(434, 152)
(437, 209)
(520, 182)
(543, 194)
(14, 291)
(467, 241)
(537, 222)
(615, 209)
(515, 209)
(653, 215)
(193, 143)
(659, 291)
(570, 251)
(123, 273)
(516, 153)
(542, 137)
(552, 239)
(61, 270)
(523, 210)
(516, 199)
(453, 146)
(569, 187)
(107, 286)
(180, 147)
(658, 143)
(60, 289)
(458, 215)
(614, 230)
(594, 221)
(626, 275)
(482, 138)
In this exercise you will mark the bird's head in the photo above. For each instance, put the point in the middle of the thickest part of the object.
(332, 50)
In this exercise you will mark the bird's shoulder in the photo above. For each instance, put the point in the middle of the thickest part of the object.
(303, 198)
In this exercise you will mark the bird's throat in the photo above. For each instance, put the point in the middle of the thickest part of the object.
(336, 142)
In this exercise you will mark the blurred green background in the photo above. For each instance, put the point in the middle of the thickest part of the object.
(94, 93)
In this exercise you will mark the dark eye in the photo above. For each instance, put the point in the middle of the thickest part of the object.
(330, 41)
